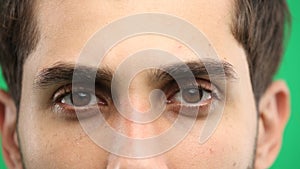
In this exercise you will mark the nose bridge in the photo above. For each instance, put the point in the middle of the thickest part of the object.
(117, 162)
(136, 102)
(139, 92)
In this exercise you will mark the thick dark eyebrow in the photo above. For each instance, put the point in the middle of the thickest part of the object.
(63, 73)
(205, 69)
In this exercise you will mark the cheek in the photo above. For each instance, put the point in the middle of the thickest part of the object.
(230, 146)
(236, 136)
(57, 144)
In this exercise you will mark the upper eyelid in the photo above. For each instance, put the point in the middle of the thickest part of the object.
(171, 88)
(188, 82)
(67, 89)
(62, 90)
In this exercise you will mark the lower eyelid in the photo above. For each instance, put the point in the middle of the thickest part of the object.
(207, 102)
(70, 112)
(185, 110)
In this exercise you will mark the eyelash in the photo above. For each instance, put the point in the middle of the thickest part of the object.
(201, 85)
(104, 100)
(67, 110)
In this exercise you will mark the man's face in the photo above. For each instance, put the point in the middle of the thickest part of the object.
(51, 136)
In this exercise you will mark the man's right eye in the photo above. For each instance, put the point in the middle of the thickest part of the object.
(80, 99)
(68, 100)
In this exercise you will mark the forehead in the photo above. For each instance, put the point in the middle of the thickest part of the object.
(66, 26)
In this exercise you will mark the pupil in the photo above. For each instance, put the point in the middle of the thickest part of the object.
(192, 95)
(80, 99)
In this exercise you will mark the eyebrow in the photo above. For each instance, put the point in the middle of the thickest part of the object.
(62, 72)
(209, 68)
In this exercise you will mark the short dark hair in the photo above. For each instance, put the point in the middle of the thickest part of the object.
(258, 25)
(18, 37)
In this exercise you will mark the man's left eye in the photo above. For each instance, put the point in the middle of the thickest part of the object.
(193, 96)
(80, 99)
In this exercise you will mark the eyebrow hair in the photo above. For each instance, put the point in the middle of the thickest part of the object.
(208, 68)
(62, 72)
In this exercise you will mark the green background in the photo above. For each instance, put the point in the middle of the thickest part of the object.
(289, 157)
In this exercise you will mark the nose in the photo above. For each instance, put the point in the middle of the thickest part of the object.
(139, 100)
(138, 131)
(139, 104)
(132, 129)
(116, 162)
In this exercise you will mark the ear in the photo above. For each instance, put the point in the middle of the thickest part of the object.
(274, 111)
(8, 115)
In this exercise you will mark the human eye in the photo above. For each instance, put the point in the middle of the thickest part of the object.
(70, 100)
(79, 99)
(192, 95)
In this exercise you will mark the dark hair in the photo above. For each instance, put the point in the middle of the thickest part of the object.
(258, 25)
(18, 37)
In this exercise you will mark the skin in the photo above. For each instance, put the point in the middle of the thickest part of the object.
(47, 140)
